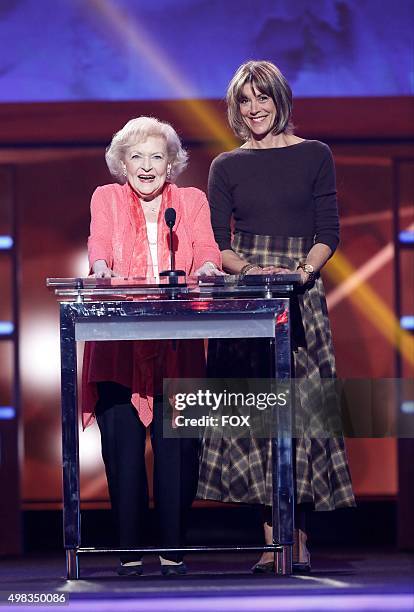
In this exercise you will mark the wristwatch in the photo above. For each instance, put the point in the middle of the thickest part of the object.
(309, 269)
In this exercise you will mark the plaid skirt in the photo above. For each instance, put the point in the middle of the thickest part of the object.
(240, 469)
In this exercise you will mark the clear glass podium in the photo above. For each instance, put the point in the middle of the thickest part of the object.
(203, 307)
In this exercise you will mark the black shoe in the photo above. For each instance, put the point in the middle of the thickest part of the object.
(264, 568)
(269, 568)
(130, 570)
(178, 569)
(302, 567)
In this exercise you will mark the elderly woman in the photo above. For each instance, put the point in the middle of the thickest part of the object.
(280, 190)
(122, 381)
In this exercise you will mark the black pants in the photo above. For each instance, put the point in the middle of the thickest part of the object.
(123, 450)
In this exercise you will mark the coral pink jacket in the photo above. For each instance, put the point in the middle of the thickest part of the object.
(118, 235)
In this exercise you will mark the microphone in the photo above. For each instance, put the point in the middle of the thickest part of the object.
(170, 217)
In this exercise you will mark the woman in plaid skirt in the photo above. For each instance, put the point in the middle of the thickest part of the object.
(280, 191)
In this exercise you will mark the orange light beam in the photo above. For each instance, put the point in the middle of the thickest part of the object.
(366, 300)
(133, 35)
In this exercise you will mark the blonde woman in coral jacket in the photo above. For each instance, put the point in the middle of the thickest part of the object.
(122, 381)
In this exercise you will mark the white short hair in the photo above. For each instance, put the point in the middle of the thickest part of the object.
(138, 130)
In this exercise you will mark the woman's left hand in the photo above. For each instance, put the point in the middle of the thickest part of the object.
(304, 276)
(209, 269)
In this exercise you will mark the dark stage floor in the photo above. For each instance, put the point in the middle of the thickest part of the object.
(355, 580)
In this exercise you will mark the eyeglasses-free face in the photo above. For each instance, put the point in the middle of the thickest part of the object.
(257, 110)
(146, 165)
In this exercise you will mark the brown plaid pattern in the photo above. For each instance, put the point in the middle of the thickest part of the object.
(240, 470)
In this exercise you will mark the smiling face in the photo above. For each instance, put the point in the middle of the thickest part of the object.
(258, 111)
(146, 165)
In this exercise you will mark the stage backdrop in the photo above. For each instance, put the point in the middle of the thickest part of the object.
(67, 69)
(56, 50)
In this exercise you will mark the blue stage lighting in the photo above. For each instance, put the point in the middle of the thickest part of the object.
(407, 407)
(7, 413)
(406, 237)
(6, 328)
(6, 242)
(407, 322)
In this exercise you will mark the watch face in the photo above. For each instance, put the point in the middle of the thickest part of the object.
(308, 268)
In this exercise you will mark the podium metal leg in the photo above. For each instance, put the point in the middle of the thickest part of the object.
(70, 443)
(282, 454)
(72, 565)
(283, 561)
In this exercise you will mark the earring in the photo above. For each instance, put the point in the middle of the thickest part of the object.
(124, 171)
(168, 177)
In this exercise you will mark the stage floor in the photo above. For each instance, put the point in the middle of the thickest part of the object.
(340, 580)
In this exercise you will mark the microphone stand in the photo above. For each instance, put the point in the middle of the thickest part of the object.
(172, 274)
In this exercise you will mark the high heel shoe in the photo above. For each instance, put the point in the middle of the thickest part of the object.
(300, 551)
(298, 567)
(264, 568)
(301, 563)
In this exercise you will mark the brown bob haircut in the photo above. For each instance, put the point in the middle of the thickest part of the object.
(265, 78)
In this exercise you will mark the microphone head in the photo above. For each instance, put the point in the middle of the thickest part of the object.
(170, 216)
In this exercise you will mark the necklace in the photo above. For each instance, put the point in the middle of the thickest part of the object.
(151, 210)
(150, 207)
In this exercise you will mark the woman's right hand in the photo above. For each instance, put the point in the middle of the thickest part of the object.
(254, 270)
(101, 270)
